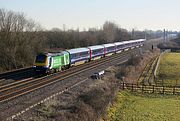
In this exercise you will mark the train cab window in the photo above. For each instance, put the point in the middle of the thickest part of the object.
(41, 58)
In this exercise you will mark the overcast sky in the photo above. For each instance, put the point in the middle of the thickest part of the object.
(139, 14)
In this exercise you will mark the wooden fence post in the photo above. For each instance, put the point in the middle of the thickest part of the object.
(174, 90)
(132, 87)
(163, 89)
(153, 89)
(154, 78)
(123, 85)
(142, 88)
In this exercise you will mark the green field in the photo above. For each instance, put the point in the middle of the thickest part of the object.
(137, 107)
(169, 69)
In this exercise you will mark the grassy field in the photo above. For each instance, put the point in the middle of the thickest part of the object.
(168, 70)
(137, 107)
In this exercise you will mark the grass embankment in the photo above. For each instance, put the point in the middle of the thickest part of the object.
(137, 107)
(168, 70)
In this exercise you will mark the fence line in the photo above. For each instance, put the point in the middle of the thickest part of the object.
(151, 88)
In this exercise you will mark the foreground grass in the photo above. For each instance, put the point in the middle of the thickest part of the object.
(169, 68)
(136, 107)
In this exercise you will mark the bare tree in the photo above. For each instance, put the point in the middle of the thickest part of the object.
(109, 29)
(19, 39)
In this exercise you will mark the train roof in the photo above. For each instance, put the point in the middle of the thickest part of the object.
(118, 43)
(77, 50)
(141, 40)
(109, 45)
(96, 47)
(56, 53)
(64, 52)
(126, 42)
(130, 41)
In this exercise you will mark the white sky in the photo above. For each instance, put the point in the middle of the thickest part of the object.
(139, 14)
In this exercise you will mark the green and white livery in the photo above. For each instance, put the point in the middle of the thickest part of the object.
(52, 62)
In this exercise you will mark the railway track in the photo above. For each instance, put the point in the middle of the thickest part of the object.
(146, 77)
(13, 72)
(19, 88)
(20, 74)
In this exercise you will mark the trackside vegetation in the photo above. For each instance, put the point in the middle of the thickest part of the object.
(168, 70)
(130, 106)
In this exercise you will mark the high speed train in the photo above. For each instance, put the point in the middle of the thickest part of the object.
(53, 62)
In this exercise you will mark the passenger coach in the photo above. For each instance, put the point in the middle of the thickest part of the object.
(109, 49)
(119, 46)
(96, 52)
(79, 55)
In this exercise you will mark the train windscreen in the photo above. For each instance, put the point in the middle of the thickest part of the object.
(41, 58)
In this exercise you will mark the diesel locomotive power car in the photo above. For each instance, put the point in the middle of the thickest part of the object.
(53, 62)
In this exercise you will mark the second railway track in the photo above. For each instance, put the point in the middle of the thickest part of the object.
(147, 75)
(21, 74)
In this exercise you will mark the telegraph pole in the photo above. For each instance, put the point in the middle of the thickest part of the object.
(167, 35)
(164, 36)
(145, 35)
(64, 27)
(133, 34)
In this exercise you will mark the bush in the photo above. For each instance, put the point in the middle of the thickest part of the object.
(134, 61)
(122, 72)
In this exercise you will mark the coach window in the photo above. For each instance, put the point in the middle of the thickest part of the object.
(72, 55)
(83, 54)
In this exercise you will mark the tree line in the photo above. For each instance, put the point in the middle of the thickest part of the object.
(21, 39)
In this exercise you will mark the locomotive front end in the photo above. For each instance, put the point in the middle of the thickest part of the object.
(41, 64)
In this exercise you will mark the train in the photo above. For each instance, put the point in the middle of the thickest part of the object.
(51, 62)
